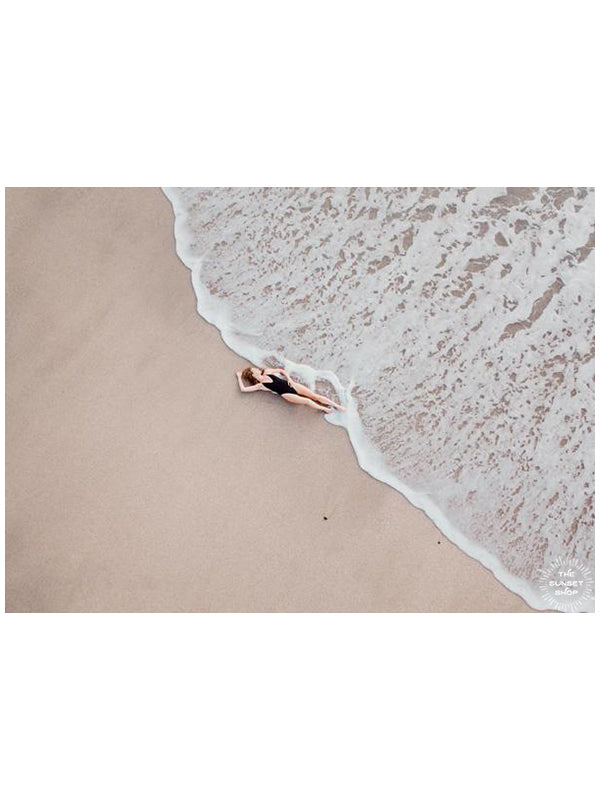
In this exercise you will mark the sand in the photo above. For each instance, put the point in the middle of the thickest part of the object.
(140, 479)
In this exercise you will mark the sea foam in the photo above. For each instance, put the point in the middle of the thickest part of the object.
(455, 324)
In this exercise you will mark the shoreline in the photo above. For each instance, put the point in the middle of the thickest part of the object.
(213, 311)
(136, 486)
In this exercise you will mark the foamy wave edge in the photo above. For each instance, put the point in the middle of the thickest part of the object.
(369, 459)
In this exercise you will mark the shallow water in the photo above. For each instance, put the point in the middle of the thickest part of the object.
(456, 324)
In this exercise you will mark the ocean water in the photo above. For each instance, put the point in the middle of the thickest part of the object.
(457, 325)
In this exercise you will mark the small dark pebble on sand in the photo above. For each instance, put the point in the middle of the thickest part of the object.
(439, 542)
(324, 517)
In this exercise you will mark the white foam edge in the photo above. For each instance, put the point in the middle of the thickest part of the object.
(215, 311)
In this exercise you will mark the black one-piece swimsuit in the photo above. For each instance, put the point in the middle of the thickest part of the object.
(279, 386)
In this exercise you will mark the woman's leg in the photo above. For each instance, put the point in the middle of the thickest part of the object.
(319, 398)
(304, 401)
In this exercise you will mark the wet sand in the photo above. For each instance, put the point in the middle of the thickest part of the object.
(140, 479)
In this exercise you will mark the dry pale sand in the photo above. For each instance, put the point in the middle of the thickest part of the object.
(140, 479)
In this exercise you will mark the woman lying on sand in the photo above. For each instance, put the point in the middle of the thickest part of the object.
(267, 380)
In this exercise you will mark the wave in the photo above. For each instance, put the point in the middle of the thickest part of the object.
(457, 326)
